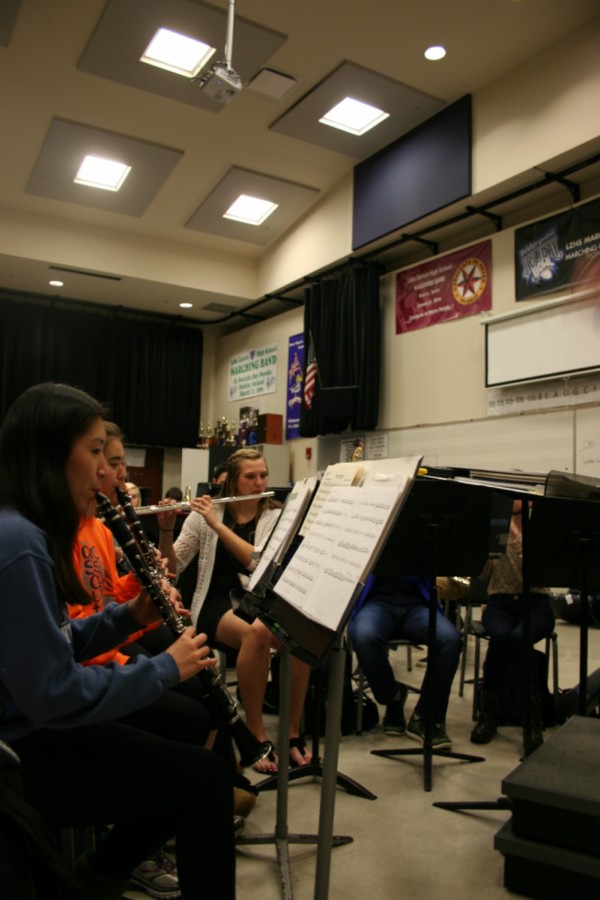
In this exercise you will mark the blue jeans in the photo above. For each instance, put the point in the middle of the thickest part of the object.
(383, 618)
(503, 621)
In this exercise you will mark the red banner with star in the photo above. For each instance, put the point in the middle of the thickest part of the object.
(449, 287)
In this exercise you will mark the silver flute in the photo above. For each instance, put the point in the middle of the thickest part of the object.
(186, 505)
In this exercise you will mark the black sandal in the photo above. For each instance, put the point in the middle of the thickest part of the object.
(297, 743)
(269, 757)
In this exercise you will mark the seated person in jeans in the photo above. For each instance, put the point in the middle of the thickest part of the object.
(398, 607)
(503, 620)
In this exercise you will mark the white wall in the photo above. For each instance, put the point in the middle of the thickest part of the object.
(533, 114)
(539, 110)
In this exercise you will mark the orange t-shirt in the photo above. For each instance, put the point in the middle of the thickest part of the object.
(96, 563)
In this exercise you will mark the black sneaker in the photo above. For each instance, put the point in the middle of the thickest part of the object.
(394, 721)
(416, 730)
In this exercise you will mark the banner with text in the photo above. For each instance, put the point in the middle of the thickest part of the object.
(253, 373)
(558, 252)
(449, 287)
(550, 394)
(294, 386)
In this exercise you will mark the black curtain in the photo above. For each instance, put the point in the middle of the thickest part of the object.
(342, 317)
(147, 371)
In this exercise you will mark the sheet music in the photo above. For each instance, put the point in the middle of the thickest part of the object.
(338, 551)
(338, 475)
(295, 505)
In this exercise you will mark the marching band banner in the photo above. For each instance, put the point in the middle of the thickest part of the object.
(449, 287)
(253, 373)
(557, 252)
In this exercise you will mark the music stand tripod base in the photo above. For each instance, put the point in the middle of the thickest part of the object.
(502, 803)
(281, 838)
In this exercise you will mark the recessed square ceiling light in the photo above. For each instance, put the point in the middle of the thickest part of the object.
(177, 53)
(251, 210)
(354, 116)
(107, 174)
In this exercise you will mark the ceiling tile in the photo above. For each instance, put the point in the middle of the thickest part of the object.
(63, 150)
(127, 27)
(291, 198)
(406, 106)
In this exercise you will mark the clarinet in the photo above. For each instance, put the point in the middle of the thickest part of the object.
(251, 749)
(146, 547)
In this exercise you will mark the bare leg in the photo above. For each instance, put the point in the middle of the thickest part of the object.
(253, 643)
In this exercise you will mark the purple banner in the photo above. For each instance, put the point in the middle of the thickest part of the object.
(294, 386)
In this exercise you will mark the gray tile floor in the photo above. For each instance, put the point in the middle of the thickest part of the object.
(402, 845)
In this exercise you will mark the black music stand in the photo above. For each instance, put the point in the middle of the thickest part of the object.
(503, 803)
(442, 527)
(565, 549)
(561, 545)
(262, 603)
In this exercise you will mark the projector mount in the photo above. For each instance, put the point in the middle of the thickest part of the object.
(220, 81)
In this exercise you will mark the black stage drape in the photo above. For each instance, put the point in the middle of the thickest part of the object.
(341, 315)
(147, 371)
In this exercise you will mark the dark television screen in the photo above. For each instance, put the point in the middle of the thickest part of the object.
(423, 171)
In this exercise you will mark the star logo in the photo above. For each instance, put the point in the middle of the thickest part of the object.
(469, 281)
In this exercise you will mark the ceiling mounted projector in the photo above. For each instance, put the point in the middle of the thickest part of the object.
(221, 84)
(220, 81)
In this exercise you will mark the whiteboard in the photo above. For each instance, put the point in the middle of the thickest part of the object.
(557, 339)
(587, 442)
(533, 443)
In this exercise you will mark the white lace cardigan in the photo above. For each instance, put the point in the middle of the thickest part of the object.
(198, 537)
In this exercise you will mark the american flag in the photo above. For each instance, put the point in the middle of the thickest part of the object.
(310, 378)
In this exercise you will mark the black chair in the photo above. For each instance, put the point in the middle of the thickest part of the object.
(362, 682)
(476, 599)
(479, 633)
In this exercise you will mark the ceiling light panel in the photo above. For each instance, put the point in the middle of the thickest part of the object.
(251, 210)
(127, 27)
(354, 116)
(290, 199)
(106, 174)
(177, 53)
(66, 145)
(407, 108)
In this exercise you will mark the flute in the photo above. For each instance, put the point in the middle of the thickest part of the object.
(186, 505)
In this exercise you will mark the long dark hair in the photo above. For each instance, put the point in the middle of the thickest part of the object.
(36, 439)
